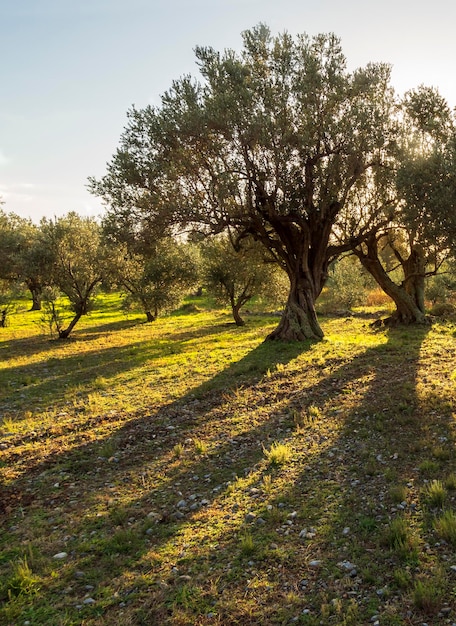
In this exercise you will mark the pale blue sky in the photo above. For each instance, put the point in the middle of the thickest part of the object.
(72, 68)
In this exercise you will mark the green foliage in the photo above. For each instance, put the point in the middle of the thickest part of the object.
(428, 467)
(22, 580)
(279, 142)
(450, 482)
(428, 595)
(159, 280)
(348, 284)
(178, 450)
(398, 493)
(441, 287)
(236, 276)
(52, 319)
(23, 258)
(247, 544)
(201, 446)
(435, 493)
(445, 526)
(399, 538)
(80, 261)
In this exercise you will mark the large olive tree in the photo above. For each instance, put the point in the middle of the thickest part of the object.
(422, 233)
(280, 142)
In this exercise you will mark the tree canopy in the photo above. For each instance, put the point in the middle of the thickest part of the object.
(421, 234)
(80, 261)
(236, 276)
(279, 141)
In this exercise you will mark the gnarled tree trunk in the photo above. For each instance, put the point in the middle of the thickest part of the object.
(235, 307)
(414, 276)
(408, 297)
(299, 319)
(36, 291)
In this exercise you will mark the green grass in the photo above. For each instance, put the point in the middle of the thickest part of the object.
(445, 526)
(278, 453)
(194, 475)
(435, 493)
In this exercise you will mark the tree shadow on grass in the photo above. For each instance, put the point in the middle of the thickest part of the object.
(344, 427)
(47, 380)
(337, 488)
(245, 372)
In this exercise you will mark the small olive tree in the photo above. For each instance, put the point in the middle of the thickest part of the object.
(80, 261)
(347, 283)
(235, 276)
(159, 279)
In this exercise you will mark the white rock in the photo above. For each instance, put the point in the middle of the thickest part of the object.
(60, 555)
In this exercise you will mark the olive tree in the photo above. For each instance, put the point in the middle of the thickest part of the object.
(80, 261)
(279, 142)
(22, 257)
(236, 275)
(422, 231)
(159, 279)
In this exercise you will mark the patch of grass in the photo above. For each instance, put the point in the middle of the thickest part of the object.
(435, 493)
(445, 526)
(429, 468)
(247, 544)
(108, 448)
(440, 453)
(123, 541)
(450, 482)
(398, 493)
(399, 537)
(178, 450)
(201, 446)
(279, 453)
(367, 525)
(402, 578)
(266, 483)
(428, 595)
(22, 582)
(10, 426)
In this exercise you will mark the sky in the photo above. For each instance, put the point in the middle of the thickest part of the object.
(72, 68)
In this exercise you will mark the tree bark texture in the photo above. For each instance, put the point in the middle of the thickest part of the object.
(414, 276)
(150, 316)
(408, 308)
(299, 319)
(237, 317)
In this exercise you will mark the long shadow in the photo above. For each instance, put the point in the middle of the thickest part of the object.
(245, 372)
(340, 489)
(42, 379)
(352, 463)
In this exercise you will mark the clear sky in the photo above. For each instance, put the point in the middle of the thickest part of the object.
(72, 68)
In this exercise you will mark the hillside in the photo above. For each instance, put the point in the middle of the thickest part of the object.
(186, 473)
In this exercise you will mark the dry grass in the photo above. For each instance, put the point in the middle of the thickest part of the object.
(138, 450)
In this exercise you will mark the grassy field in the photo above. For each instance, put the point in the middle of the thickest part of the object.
(186, 473)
